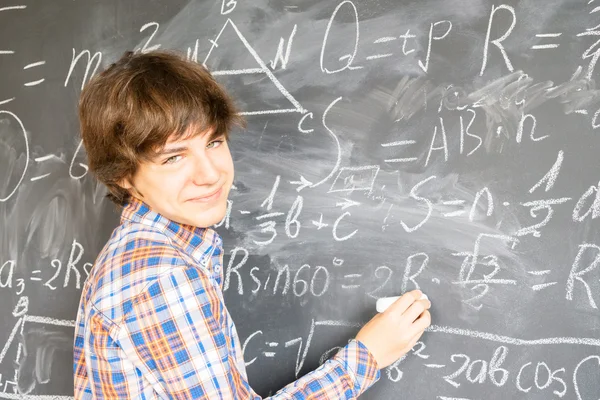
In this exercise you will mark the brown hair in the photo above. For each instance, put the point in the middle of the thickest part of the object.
(130, 110)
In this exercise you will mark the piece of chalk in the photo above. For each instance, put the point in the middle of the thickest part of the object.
(385, 302)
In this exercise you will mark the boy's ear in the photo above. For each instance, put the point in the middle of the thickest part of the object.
(125, 184)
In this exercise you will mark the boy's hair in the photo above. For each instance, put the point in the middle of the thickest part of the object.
(130, 110)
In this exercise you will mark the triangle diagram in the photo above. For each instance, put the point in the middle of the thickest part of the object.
(252, 65)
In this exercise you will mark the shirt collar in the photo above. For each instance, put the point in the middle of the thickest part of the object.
(200, 243)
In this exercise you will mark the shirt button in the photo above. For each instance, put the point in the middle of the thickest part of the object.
(203, 261)
(217, 268)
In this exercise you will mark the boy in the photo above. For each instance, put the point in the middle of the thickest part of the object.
(152, 322)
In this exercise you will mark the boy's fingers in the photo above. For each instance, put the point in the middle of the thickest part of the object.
(405, 301)
(416, 309)
(423, 321)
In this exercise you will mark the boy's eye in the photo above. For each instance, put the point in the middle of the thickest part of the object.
(217, 143)
(176, 158)
(171, 160)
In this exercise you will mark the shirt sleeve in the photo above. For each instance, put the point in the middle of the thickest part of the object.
(175, 335)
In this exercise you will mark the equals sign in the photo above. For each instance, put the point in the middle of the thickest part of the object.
(399, 143)
(351, 276)
(35, 64)
(383, 39)
(546, 46)
(41, 159)
(35, 278)
(453, 203)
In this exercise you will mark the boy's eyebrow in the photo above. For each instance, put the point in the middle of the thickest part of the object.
(165, 152)
(180, 149)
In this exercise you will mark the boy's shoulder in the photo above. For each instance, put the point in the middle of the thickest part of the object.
(132, 259)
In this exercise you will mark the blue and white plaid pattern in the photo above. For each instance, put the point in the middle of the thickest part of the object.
(152, 323)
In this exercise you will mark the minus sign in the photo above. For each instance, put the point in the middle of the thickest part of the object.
(544, 46)
(541, 35)
(35, 64)
(7, 52)
(34, 83)
(376, 56)
(453, 202)
(6, 101)
(385, 39)
(13, 8)
(36, 178)
(44, 158)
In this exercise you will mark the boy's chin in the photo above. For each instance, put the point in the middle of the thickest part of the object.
(208, 221)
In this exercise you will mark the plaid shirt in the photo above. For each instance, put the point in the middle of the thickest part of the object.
(152, 323)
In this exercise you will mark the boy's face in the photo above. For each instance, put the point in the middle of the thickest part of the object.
(188, 181)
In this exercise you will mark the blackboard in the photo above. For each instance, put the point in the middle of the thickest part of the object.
(446, 145)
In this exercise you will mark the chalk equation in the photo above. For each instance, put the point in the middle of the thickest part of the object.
(390, 147)
(501, 367)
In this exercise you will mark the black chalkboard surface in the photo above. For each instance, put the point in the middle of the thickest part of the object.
(446, 145)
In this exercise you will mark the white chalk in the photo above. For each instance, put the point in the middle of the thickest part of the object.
(385, 302)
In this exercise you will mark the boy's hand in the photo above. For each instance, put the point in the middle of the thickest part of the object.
(391, 334)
